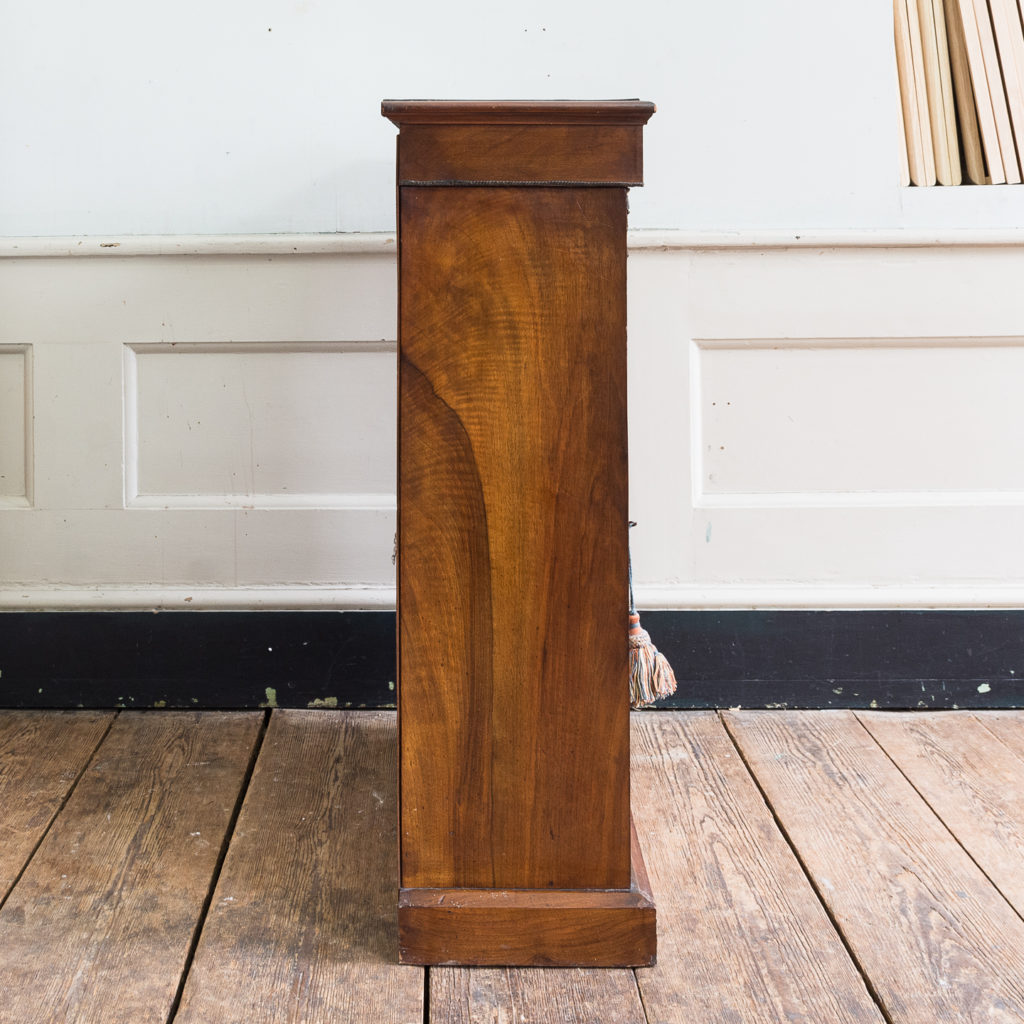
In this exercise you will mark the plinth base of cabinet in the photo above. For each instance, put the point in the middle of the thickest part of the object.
(530, 927)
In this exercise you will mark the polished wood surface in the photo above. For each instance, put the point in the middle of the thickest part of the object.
(531, 927)
(532, 932)
(569, 153)
(512, 541)
(513, 520)
(508, 112)
(530, 142)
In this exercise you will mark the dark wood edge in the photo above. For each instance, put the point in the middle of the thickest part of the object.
(640, 882)
(513, 183)
(517, 111)
(637, 895)
(524, 899)
(527, 927)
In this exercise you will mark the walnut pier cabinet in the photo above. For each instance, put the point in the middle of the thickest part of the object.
(516, 846)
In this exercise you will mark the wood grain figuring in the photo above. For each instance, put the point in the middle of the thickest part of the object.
(41, 756)
(522, 153)
(743, 936)
(531, 927)
(99, 926)
(554, 996)
(541, 934)
(937, 940)
(970, 779)
(513, 510)
(302, 924)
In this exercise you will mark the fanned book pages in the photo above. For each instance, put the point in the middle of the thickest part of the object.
(1010, 44)
(997, 91)
(913, 93)
(960, 66)
(980, 85)
(939, 85)
(996, 133)
(963, 91)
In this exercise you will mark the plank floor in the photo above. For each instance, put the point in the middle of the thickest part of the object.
(824, 867)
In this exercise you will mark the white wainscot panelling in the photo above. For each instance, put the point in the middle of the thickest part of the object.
(873, 421)
(827, 426)
(268, 425)
(211, 423)
(196, 558)
(15, 425)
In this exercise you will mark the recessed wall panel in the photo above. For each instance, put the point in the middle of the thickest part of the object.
(929, 417)
(14, 440)
(278, 424)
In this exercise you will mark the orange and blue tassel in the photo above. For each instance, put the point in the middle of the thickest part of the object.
(650, 675)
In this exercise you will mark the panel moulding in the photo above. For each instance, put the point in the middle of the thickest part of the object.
(16, 464)
(705, 449)
(139, 496)
(347, 501)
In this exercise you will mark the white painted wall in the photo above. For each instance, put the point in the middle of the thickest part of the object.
(196, 370)
(119, 117)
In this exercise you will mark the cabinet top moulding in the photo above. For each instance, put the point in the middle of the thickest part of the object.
(607, 112)
(519, 142)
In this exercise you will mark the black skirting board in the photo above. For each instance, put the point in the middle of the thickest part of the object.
(751, 659)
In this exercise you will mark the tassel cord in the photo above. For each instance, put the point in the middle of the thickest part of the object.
(629, 563)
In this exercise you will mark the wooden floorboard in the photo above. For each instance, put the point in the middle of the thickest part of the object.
(938, 942)
(302, 926)
(970, 779)
(1007, 727)
(484, 995)
(42, 754)
(825, 849)
(742, 935)
(99, 926)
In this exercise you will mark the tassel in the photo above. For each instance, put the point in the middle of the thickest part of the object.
(650, 675)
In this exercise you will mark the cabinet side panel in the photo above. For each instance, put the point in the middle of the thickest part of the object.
(512, 460)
